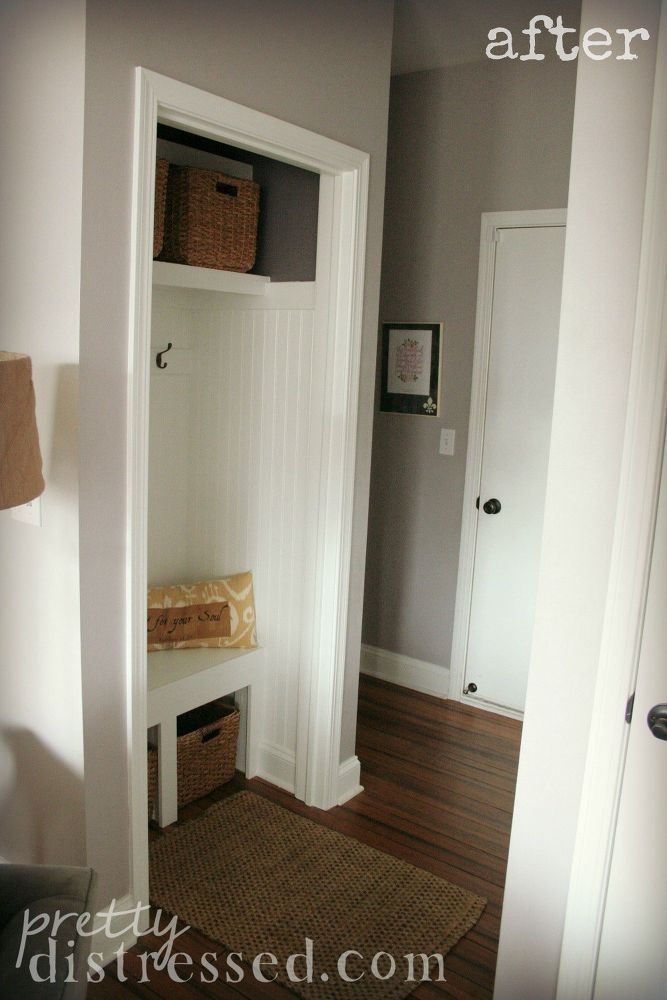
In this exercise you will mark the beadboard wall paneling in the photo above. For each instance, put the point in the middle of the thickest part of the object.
(228, 463)
(170, 456)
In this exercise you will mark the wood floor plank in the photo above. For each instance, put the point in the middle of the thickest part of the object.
(468, 821)
(439, 782)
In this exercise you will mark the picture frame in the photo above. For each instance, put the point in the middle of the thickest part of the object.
(411, 368)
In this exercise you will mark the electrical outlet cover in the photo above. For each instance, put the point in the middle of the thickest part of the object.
(447, 441)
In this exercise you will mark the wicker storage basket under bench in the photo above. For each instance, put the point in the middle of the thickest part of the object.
(206, 755)
(206, 752)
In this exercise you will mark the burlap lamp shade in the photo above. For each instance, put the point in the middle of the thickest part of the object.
(20, 459)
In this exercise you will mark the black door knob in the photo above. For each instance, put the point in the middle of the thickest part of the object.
(657, 721)
(492, 506)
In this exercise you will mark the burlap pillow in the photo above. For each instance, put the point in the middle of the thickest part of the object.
(207, 613)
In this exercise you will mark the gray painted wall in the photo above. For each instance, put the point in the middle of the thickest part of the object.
(287, 229)
(467, 139)
(324, 67)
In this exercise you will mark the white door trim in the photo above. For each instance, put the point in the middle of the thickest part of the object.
(628, 578)
(491, 223)
(339, 294)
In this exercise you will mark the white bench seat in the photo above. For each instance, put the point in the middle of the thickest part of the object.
(182, 679)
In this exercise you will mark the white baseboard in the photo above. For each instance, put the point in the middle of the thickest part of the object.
(429, 678)
(277, 766)
(349, 784)
(120, 923)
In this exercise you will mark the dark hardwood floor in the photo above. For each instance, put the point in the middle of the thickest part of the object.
(438, 792)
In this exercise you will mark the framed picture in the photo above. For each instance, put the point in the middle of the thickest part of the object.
(411, 361)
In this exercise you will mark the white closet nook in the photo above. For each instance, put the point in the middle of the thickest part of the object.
(242, 450)
(228, 467)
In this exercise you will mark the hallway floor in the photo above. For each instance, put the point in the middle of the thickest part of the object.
(439, 783)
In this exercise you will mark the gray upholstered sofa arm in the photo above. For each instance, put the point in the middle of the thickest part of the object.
(39, 909)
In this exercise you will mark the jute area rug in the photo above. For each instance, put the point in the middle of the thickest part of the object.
(258, 878)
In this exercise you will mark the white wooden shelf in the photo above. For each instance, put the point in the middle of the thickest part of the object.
(171, 666)
(208, 279)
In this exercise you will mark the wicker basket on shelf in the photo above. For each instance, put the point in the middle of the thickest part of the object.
(161, 175)
(206, 754)
(210, 219)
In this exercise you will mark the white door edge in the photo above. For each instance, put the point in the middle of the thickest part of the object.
(628, 578)
(491, 223)
(339, 296)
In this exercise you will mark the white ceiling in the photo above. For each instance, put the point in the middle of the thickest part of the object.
(432, 33)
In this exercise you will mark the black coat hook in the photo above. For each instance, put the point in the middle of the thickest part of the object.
(158, 357)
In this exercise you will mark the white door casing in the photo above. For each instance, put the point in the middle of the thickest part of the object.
(518, 309)
(643, 450)
(332, 423)
(633, 957)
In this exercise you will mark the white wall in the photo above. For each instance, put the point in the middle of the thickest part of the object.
(607, 186)
(322, 66)
(41, 123)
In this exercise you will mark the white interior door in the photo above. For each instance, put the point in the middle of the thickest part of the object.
(517, 425)
(633, 949)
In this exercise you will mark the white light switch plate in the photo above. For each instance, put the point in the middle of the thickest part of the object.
(447, 441)
(30, 512)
